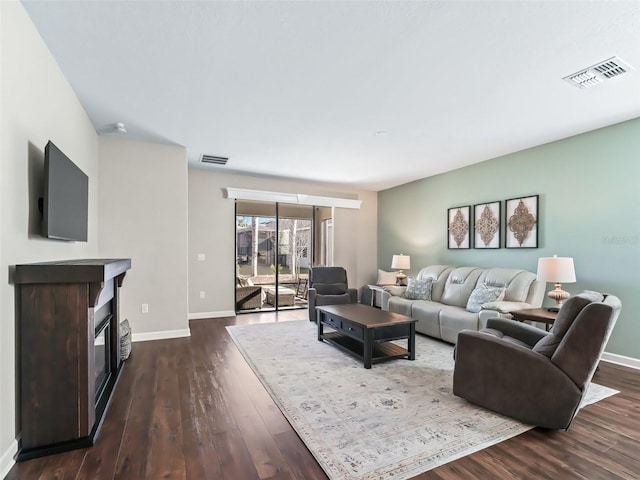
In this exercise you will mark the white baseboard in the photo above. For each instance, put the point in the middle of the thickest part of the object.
(6, 460)
(621, 360)
(163, 335)
(220, 314)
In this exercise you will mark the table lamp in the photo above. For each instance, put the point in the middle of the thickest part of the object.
(401, 262)
(556, 270)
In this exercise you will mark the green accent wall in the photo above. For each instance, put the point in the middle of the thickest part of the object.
(589, 209)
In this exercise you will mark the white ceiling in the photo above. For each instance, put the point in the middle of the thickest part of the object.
(371, 94)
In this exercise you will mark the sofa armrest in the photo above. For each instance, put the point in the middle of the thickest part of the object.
(395, 290)
(505, 306)
(388, 292)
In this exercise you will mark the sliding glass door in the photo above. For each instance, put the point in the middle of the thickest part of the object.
(274, 251)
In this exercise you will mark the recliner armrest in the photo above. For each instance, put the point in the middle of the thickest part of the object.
(353, 293)
(520, 331)
(311, 303)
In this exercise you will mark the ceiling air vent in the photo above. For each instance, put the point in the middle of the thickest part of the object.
(214, 159)
(598, 73)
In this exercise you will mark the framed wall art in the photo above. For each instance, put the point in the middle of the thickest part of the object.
(458, 227)
(486, 225)
(521, 222)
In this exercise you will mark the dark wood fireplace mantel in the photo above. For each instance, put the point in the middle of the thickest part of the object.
(69, 333)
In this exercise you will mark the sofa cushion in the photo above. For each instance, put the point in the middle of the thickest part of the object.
(516, 282)
(484, 294)
(455, 319)
(330, 288)
(401, 305)
(459, 285)
(386, 278)
(439, 275)
(419, 289)
(428, 316)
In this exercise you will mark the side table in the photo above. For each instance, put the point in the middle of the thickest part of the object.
(374, 289)
(541, 315)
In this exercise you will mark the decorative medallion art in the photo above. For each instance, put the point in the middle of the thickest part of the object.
(487, 225)
(522, 222)
(458, 227)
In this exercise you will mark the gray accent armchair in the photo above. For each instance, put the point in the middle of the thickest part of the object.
(531, 375)
(328, 286)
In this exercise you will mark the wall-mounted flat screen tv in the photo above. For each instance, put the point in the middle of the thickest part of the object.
(65, 206)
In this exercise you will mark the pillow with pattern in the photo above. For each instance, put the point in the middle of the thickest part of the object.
(419, 289)
(483, 294)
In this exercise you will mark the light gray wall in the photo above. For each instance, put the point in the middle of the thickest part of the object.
(143, 216)
(37, 105)
(589, 210)
(212, 232)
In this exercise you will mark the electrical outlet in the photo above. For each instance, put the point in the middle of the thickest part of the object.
(201, 294)
(145, 308)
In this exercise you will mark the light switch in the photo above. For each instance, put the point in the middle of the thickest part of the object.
(201, 257)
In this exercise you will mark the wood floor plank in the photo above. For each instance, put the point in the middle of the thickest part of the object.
(135, 444)
(100, 461)
(192, 409)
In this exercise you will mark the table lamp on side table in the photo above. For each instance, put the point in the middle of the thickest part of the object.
(402, 262)
(556, 270)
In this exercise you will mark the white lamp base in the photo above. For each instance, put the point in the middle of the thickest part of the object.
(559, 296)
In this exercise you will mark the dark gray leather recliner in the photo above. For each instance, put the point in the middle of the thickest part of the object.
(328, 286)
(531, 375)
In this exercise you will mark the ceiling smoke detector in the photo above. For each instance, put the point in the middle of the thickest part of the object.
(213, 159)
(598, 73)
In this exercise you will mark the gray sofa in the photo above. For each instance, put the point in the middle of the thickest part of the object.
(446, 313)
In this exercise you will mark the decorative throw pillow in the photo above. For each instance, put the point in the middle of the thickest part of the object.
(386, 278)
(419, 289)
(483, 294)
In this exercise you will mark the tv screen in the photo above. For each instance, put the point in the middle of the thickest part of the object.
(66, 197)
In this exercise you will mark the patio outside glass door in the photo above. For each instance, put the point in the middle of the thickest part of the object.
(273, 254)
(295, 248)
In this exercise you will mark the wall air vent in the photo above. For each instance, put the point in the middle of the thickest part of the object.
(214, 159)
(598, 73)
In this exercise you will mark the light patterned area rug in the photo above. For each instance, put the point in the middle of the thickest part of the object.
(394, 421)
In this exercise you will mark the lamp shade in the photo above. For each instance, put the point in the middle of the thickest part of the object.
(556, 270)
(402, 262)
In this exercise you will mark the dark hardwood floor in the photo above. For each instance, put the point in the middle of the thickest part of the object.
(192, 409)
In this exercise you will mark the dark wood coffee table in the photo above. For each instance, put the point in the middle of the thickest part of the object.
(367, 332)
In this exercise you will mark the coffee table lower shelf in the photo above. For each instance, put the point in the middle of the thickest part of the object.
(380, 351)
